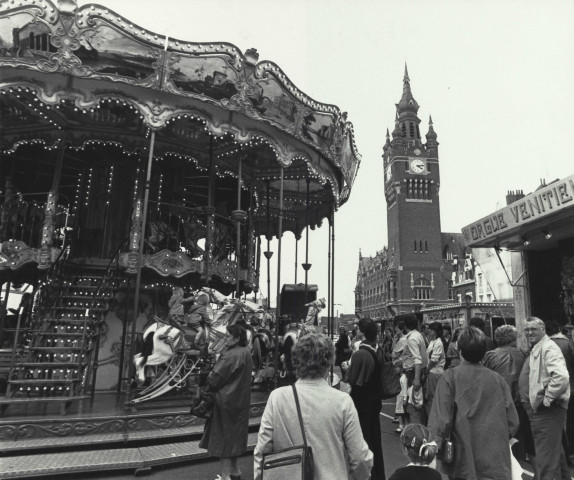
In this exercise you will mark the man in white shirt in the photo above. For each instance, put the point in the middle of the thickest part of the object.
(415, 363)
(548, 395)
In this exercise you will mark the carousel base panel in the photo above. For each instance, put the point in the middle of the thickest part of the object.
(103, 435)
(137, 459)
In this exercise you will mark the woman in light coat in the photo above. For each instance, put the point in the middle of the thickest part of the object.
(329, 416)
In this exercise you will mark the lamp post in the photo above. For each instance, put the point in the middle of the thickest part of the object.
(336, 317)
(467, 302)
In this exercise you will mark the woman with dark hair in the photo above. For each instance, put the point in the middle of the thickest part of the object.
(436, 353)
(330, 419)
(342, 347)
(452, 354)
(225, 434)
(475, 405)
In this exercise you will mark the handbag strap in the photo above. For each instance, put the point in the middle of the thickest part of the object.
(299, 414)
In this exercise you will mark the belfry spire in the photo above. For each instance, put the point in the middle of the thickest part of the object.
(407, 109)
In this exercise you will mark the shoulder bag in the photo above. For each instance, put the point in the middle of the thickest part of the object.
(294, 463)
(202, 406)
(446, 453)
(390, 383)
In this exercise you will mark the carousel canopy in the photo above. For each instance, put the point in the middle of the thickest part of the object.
(90, 82)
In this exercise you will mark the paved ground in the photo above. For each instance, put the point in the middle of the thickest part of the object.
(208, 469)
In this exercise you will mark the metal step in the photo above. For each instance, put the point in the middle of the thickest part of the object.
(35, 382)
(110, 439)
(57, 349)
(81, 307)
(48, 364)
(141, 458)
(55, 334)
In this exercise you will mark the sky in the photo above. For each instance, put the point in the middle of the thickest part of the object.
(496, 76)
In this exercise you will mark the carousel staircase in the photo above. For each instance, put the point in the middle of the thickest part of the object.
(55, 354)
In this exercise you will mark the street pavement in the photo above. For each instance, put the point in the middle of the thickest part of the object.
(209, 468)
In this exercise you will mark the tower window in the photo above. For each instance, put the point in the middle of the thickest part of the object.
(404, 129)
(416, 247)
(421, 246)
(422, 290)
(426, 247)
(411, 130)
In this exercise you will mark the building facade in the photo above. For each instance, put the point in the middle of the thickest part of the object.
(422, 269)
(371, 292)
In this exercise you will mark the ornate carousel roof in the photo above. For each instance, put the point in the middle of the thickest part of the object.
(89, 80)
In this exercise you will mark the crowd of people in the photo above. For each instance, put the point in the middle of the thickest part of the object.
(461, 386)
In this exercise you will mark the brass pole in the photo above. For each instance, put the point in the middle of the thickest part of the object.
(238, 237)
(140, 254)
(278, 302)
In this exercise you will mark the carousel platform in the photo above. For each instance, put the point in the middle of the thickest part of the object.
(104, 435)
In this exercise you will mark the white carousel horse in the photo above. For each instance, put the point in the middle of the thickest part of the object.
(161, 342)
(313, 309)
(296, 331)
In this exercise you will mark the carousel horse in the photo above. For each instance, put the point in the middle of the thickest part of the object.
(263, 343)
(263, 347)
(294, 331)
(313, 309)
(232, 312)
(161, 341)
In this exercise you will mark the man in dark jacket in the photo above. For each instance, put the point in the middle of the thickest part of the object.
(364, 376)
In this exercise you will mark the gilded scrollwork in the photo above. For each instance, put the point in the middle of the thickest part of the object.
(175, 264)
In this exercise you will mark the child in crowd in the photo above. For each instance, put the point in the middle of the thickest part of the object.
(401, 405)
(420, 451)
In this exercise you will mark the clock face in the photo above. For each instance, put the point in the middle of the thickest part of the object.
(417, 165)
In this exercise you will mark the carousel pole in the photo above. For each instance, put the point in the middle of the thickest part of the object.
(257, 255)
(296, 251)
(238, 216)
(306, 266)
(208, 255)
(332, 279)
(329, 278)
(278, 303)
(268, 254)
(333, 271)
(140, 257)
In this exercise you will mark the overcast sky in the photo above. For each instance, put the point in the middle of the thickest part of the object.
(496, 76)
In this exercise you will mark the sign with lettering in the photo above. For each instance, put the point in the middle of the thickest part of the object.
(548, 200)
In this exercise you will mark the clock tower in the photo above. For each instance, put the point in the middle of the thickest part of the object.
(412, 179)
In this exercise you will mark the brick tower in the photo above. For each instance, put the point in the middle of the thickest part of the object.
(412, 179)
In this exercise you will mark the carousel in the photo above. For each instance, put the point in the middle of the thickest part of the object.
(134, 166)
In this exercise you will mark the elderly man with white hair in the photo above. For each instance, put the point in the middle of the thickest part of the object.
(548, 395)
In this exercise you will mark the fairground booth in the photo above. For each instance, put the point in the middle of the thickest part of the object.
(538, 230)
(132, 163)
